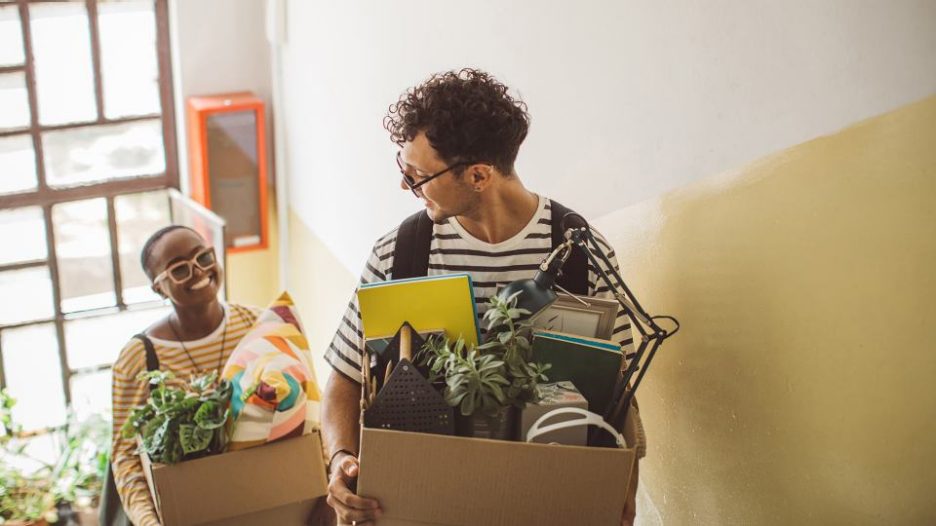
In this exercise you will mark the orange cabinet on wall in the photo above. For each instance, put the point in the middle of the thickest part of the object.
(228, 167)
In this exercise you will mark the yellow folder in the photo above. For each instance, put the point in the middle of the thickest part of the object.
(430, 303)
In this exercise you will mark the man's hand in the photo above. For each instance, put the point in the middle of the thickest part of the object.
(349, 507)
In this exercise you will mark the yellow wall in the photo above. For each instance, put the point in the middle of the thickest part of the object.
(318, 283)
(321, 287)
(253, 277)
(801, 387)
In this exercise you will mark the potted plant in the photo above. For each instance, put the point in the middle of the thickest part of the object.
(181, 423)
(78, 474)
(488, 383)
(26, 497)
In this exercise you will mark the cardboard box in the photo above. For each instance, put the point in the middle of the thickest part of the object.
(272, 484)
(422, 479)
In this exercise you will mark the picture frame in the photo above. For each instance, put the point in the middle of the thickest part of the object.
(580, 315)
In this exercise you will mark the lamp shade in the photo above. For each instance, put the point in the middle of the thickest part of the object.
(536, 294)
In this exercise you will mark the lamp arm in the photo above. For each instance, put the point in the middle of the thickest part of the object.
(562, 252)
(621, 293)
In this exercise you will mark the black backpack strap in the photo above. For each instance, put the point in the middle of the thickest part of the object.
(411, 253)
(152, 361)
(110, 509)
(574, 275)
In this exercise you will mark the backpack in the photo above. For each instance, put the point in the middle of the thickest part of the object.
(411, 254)
(111, 511)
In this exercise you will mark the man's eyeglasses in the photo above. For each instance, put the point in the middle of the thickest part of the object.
(181, 271)
(411, 181)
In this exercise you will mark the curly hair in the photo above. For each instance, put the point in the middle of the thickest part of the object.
(467, 115)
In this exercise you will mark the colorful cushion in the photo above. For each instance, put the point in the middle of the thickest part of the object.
(275, 394)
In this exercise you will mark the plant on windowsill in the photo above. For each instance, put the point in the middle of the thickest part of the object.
(79, 471)
(488, 383)
(65, 491)
(181, 423)
(26, 497)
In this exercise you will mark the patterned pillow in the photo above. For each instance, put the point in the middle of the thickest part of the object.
(275, 394)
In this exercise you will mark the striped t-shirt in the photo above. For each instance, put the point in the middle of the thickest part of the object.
(491, 266)
(128, 392)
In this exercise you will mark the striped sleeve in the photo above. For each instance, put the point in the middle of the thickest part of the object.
(344, 353)
(127, 393)
(622, 326)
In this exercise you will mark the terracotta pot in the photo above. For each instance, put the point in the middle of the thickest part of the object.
(40, 522)
(87, 516)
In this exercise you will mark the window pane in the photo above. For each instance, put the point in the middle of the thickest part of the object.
(138, 216)
(27, 296)
(23, 233)
(14, 101)
(100, 153)
(61, 46)
(19, 164)
(37, 450)
(11, 36)
(82, 246)
(91, 395)
(97, 340)
(129, 67)
(34, 375)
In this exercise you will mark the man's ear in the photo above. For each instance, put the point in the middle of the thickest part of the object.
(481, 176)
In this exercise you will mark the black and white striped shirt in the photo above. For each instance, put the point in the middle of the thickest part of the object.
(491, 266)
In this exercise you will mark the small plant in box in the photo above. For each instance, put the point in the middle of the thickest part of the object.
(489, 379)
(181, 423)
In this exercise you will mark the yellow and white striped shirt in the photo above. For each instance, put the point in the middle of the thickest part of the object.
(128, 392)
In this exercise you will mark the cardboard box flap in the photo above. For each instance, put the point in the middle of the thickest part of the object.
(431, 479)
(240, 482)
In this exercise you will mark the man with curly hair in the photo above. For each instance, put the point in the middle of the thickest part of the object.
(459, 133)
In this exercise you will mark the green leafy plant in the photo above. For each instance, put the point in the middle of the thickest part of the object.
(32, 489)
(498, 374)
(26, 495)
(181, 423)
(79, 471)
(511, 340)
(474, 382)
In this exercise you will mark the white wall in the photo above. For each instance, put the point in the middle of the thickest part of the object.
(218, 46)
(630, 99)
(634, 97)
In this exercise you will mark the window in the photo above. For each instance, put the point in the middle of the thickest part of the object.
(87, 150)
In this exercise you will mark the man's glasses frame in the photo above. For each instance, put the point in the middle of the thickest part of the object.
(195, 260)
(411, 181)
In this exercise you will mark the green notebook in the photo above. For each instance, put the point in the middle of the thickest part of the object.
(592, 365)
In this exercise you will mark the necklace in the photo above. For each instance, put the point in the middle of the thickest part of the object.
(187, 353)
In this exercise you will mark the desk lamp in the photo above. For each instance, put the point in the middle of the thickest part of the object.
(537, 294)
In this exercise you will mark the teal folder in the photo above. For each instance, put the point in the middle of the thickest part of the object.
(592, 365)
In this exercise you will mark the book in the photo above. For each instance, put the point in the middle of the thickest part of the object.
(428, 303)
(592, 365)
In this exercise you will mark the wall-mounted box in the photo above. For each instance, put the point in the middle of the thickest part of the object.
(228, 173)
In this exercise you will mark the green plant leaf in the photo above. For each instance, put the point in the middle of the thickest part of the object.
(193, 438)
